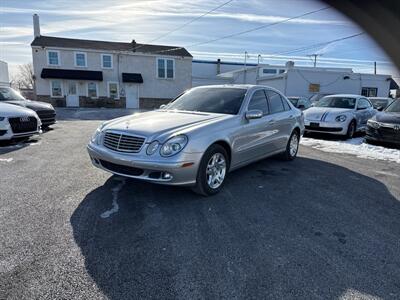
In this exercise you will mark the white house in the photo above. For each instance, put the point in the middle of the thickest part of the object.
(4, 76)
(88, 73)
(300, 81)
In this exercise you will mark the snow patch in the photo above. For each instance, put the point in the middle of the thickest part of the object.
(115, 207)
(6, 159)
(355, 146)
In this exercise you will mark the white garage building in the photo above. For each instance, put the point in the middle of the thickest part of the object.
(299, 81)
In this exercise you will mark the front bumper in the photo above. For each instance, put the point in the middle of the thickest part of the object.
(182, 168)
(326, 127)
(383, 134)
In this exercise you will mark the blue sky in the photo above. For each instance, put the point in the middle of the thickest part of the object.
(145, 20)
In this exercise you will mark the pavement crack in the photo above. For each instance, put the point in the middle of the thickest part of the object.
(115, 207)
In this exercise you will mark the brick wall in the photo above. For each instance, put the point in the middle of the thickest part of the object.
(102, 102)
(57, 102)
(151, 103)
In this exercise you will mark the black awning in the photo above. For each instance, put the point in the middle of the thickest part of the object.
(132, 77)
(72, 74)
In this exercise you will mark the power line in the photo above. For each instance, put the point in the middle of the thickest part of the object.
(185, 24)
(246, 31)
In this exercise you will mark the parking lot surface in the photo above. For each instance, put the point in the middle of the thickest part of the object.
(324, 226)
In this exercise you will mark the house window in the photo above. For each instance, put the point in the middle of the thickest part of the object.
(53, 58)
(56, 88)
(369, 92)
(80, 59)
(106, 61)
(113, 90)
(92, 89)
(165, 68)
(269, 71)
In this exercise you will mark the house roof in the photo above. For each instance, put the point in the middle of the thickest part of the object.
(50, 41)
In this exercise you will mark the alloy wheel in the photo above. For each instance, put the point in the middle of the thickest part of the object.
(216, 170)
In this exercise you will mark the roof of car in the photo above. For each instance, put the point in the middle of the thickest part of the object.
(345, 95)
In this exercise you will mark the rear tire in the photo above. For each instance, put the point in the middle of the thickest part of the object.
(292, 147)
(212, 171)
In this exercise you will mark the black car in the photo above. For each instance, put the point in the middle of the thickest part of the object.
(385, 126)
(380, 103)
(45, 111)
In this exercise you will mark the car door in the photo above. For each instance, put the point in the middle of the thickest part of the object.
(281, 119)
(252, 139)
(363, 112)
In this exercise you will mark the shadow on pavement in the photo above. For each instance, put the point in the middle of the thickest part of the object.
(17, 144)
(306, 229)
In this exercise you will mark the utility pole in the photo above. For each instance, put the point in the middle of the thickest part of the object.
(375, 67)
(245, 67)
(314, 56)
(259, 58)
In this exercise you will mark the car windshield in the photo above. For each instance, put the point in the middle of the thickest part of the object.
(337, 102)
(394, 107)
(212, 100)
(294, 101)
(379, 102)
(7, 94)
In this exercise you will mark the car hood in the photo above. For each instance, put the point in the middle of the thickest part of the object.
(317, 113)
(34, 105)
(161, 124)
(388, 117)
(9, 110)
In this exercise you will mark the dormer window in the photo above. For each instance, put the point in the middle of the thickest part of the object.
(53, 58)
(80, 59)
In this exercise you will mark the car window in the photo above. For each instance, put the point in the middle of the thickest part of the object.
(379, 102)
(394, 107)
(7, 94)
(337, 102)
(259, 101)
(285, 103)
(275, 102)
(363, 104)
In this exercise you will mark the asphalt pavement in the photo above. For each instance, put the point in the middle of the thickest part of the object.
(324, 226)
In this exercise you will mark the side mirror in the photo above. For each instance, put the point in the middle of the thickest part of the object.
(254, 114)
(301, 106)
(162, 106)
(379, 108)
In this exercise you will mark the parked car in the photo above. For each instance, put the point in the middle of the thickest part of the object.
(17, 122)
(380, 103)
(301, 103)
(45, 111)
(316, 97)
(200, 136)
(385, 126)
(339, 114)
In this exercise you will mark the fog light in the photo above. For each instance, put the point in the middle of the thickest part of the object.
(166, 176)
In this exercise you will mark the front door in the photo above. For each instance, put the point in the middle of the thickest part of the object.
(72, 94)
(132, 96)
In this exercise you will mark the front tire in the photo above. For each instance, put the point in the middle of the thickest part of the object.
(212, 171)
(292, 147)
(351, 130)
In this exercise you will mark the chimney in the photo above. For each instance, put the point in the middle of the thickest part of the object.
(290, 64)
(36, 26)
(218, 66)
(133, 45)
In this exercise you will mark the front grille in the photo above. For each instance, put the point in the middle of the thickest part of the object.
(121, 169)
(47, 116)
(23, 124)
(122, 142)
(389, 133)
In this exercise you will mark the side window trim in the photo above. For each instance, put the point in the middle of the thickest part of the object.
(269, 105)
(266, 101)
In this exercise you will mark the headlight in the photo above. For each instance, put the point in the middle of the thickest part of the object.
(152, 148)
(340, 118)
(2, 118)
(96, 134)
(174, 145)
(373, 124)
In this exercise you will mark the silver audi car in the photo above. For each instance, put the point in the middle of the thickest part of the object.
(342, 114)
(200, 136)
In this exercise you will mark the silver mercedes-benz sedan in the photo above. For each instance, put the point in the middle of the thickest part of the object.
(342, 114)
(200, 136)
